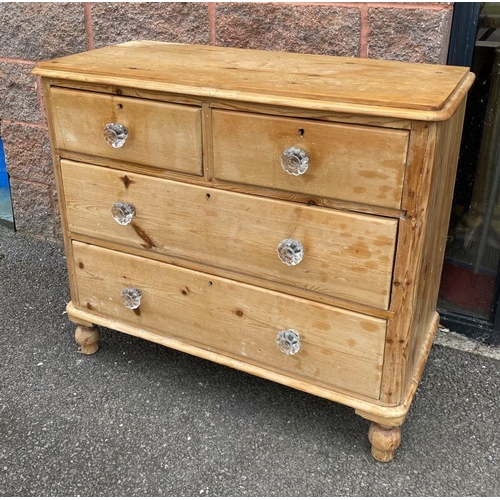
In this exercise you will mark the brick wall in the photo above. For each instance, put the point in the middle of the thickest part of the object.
(35, 31)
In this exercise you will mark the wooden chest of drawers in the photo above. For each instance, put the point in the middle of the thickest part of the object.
(282, 214)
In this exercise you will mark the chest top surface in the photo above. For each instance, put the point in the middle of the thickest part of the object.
(365, 86)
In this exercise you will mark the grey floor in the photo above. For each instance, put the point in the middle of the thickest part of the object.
(138, 419)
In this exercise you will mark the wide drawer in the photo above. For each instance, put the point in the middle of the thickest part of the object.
(346, 162)
(345, 255)
(338, 349)
(162, 135)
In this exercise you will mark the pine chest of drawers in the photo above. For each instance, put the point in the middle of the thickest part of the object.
(282, 214)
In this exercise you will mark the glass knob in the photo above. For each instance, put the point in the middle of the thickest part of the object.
(115, 134)
(290, 252)
(122, 212)
(288, 341)
(131, 297)
(294, 161)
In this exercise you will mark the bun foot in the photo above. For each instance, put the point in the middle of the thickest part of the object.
(385, 440)
(88, 338)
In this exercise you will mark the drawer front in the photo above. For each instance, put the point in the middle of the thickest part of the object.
(346, 162)
(345, 255)
(166, 136)
(338, 349)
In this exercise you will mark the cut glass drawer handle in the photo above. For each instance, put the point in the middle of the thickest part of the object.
(294, 161)
(131, 298)
(290, 252)
(123, 212)
(115, 134)
(288, 341)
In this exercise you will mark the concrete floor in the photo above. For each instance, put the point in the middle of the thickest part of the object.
(138, 419)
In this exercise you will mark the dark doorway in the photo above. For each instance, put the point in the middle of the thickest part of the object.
(469, 292)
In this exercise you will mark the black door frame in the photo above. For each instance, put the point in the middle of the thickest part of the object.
(463, 33)
(460, 53)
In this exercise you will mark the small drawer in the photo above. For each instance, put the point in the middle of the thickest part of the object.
(345, 162)
(336, 348)
(345, 255)
(158, 134)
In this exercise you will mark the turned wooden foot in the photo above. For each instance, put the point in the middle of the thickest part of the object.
(385, 440)
(88, 338)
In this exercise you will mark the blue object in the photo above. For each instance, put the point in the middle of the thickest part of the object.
(6, 215)
(4, 178)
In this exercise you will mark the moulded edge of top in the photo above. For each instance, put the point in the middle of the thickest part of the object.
(71, 68)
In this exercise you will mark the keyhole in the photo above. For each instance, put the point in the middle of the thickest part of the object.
(301, 132)
(208, 196)
(119, 106)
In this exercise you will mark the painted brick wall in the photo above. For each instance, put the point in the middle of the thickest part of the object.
(35, 31)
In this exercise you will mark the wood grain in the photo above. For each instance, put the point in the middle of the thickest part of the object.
(437, 213)
(216, 103)
(231, 186)
(248, 148)
(376, 411)
(365, 86)
(400, 410)
(161, 135)
(384, 441)
(421, 244)
(88, 338)
(202, 169)
(345, 255)
(60, 191)
(236, 276)
(406, 261)
(338, 348)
